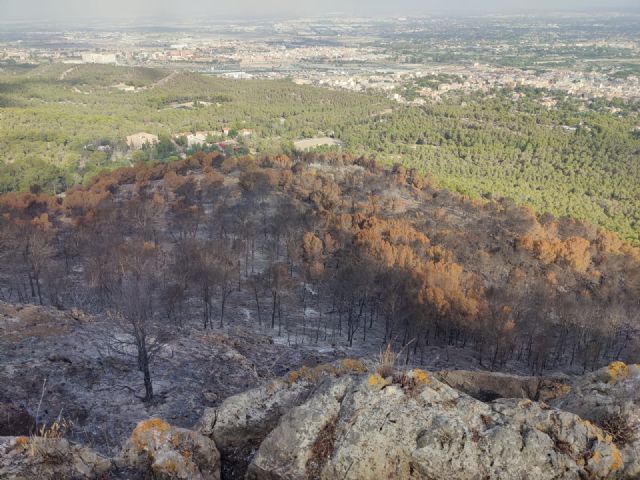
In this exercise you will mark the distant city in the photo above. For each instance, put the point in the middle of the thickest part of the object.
(408, 60)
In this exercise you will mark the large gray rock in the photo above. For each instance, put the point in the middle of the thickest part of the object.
(251, 415)
(292, 450)
(610, 397)
(28, 458)
(248, 417)
(414, 426)
(161, 451)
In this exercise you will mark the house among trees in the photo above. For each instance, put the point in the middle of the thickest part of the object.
(193, 139)
(246, 132)
(138, 140)
(198, 138)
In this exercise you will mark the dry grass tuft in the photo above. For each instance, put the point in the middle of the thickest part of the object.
(408, 383)
(387, 362)
(353, 365)
(619, 428)
(313, 374)
(321, 450)
(58, 429)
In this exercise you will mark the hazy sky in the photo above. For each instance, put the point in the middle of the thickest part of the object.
(57, 10)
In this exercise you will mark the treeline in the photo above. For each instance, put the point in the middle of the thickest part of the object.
(571, 160)
(323, 248)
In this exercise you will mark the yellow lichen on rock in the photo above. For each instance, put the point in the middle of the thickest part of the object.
(421, 376)
(169, 452)
(595, 458)
(377, 381)
(153, 430)
(618, 371)
(153, 424)
(353, 365)
(525, 403)
(618, 463)
(21, 441)
(595, 431)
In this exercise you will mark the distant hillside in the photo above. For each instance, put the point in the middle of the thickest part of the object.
(578, 158)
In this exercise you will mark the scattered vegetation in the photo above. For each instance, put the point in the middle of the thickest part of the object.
(386, 362)
(321, 450)
(618, 426)
(346, 366)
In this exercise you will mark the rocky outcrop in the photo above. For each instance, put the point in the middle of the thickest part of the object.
(488, 386)
(414, 426)
(15, 420)
(27, 458)
(158, 450)
(290, 451)
(253, 414)
(154, 450)
(240, 424)
(24, 321)
(336, 421)
(610, 398)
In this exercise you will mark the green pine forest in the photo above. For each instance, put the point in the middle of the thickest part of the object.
(580, 158)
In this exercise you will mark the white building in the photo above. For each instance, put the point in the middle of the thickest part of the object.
(198, 138)
(102, 58)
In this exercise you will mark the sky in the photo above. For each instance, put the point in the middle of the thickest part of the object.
(70, 10)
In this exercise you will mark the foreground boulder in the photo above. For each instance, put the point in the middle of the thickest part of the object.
(414, 426)
(239, 425)
(302, 441)
(27, 458)
(158, 450)
(248, 417)
(610, 398)
(251, 415)
(155, 450)
(241, 422)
